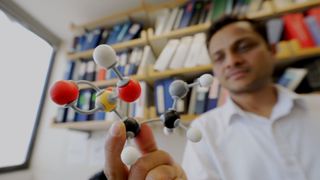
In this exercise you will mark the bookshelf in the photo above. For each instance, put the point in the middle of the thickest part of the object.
(117, 47)
(157, 43)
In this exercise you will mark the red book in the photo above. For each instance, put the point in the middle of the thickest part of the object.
(295, 28)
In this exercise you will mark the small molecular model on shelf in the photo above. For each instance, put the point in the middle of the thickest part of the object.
(66, 92)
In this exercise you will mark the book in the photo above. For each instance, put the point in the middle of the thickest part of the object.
(187, 14)
(314, 28)
(178, 19)
(195, 50)
(82, 70)
(104, 36)
(124, 30)
(159, 96)
(204, 58)
(192, 101)
(292, 77)
(68, 75)
(147, 59)
(168, 101)
(84, 104)
(161, 20)
(169, 24)
(61, 115)
(200, 105)
(218, 9)
(92, 39)
(274, 30)
(142, 103)
(181, 53)
(198, 8)
(112, 38)
(90, 73)
(213, 95)
(133, 32)
(166, 55)
(205, 12)
(295, 28)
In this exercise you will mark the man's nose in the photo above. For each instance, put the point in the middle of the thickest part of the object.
(234, 59)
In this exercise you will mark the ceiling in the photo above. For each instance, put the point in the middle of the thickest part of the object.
(57, 15)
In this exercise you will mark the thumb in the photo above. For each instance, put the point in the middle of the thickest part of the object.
(145, 140)
(116, 138)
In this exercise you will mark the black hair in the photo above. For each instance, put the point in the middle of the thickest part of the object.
(258, 26)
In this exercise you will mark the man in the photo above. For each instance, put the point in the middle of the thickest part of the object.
(261, 132)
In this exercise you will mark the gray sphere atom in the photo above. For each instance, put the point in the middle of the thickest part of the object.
(178, 88)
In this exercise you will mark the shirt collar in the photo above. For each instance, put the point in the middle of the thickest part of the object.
(286, 100)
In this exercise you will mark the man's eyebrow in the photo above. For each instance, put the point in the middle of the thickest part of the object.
(241, 40)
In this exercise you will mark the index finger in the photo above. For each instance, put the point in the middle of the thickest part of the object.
(145, 140)
(116, 137)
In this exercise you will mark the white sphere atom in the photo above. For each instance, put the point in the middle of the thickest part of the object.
(194, 134)
(105, 56)
(167, 131)
(129, 155)
(206, 80)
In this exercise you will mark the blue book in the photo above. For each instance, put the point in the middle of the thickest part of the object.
(314, 28)
(61, 115)
(133, 32)
(124, 31)
(81, 43)
(168, 99)
(92, 39)
(112, 39)
(213, 95)
(133, 68)
(187, 14)
(70, 69)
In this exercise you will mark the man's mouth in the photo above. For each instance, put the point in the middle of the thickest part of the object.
(237, 74)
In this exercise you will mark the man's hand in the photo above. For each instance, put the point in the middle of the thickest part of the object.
(153, 164)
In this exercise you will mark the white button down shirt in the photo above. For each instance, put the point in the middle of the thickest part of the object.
(239, 145)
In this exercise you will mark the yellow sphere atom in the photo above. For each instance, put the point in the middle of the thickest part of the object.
(105, 100)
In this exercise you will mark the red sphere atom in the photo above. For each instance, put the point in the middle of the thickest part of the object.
(64, 92)
(131, 91)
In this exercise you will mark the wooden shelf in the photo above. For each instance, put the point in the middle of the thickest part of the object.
(178, 33)
(297, 7)
(154, 75)
(84, 126)
(117, 47)
(278, 11)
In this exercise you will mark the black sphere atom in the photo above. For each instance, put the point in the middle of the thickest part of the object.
(170, 118)
(132, 126)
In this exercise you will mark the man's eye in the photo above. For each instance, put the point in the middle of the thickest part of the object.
(218, 59)
(245, 47)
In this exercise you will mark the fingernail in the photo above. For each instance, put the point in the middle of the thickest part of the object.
(115, 129)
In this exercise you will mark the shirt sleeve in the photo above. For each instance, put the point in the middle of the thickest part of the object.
(198, 161)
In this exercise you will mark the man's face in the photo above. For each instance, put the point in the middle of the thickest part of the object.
(242, 61)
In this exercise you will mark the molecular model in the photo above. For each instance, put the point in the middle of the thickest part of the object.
(66, 92)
